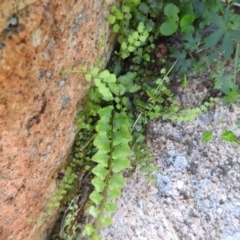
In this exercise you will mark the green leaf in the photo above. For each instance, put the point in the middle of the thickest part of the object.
(89, 229)
(104, 74)
(199, 7)
(122, 150)
(122, 135)
(93, 211)
(127, 79)
(111, 19)
(214, 38)
(124, 46)
(106, 221)
(94, 71)
(131, 48)
(154, 97)
(217, 20)
(119, 120)
(131, 39)
(97, 238)
(100, 171)
(114, 193)
(120, 164)
(227, 45)
(144, 8)
(110, 207)
(117, 88)
(232, 95)
(134, 88)
(98, 184)
(186, 20)
(186, 23)
(88, 77)
(223, 81)
(141, 104)
(104, 90)
(169, 27)
(96, 197)
(118, 14)
(135, 35)
(106, 111)
(137, 43)
(102, 142)
(143, 39)
(112, 78)
(101, 157)
(103, 124)
(146, 57)
(116, 28)
(229, 136)
(171, 10)
(116, 181)
(140, 27)
(207, 136)
(125, 8)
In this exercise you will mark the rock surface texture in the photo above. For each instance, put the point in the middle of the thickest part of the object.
(38, 105)
(197, 193)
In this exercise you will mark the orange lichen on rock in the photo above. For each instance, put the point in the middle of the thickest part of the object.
(38, 105)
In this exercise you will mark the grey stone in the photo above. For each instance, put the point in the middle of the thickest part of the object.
(172, 153)
(164, 184)
(180, 163)
(62, 83)
(65, 101)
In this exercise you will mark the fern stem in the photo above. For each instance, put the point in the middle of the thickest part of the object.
(104, 193)
(235, 66)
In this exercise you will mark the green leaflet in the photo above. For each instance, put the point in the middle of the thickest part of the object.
(98, 184)
(93, 211)
(101, 157)
(171, 21)
(96, 197)
(97, 238)
(119, 120)
(127, 79)
(104, 90)
(114, 193)
(89, 229)
(121, 135)
(116, 181)
(110, 207)
(106, 111)
(106, 221)
(102, 142)
(100, 171)
(120, 164)
(121, 151)
(103, 124)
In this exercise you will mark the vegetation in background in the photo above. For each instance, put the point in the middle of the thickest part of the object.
(156, 40)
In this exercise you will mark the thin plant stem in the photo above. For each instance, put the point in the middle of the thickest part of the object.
(139, 116)
(235, 66)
